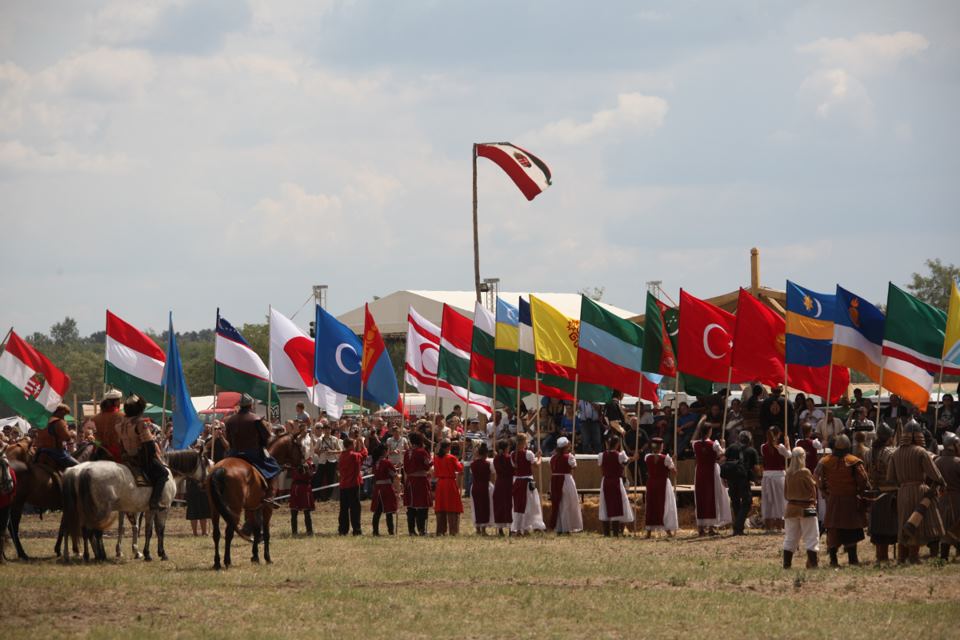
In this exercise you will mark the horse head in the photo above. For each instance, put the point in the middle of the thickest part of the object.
(6, 478)
(288, 450)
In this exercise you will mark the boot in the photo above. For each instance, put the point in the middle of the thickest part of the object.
(376, 523)
(933, 548)
(787, 559)
(852, 559)
(605, 525)
(914, 551)
(390, 523)
(293, 522)
(883, 553)
(902, 553)
(813, 560)
(833, 557)
(411, 522)
(155, 496)
(308, 523)
(422, 521)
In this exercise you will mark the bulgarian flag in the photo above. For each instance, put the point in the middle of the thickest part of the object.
(456, 337)
(133, 362)
(29, 383)
(237, 367)
(482, 354)
(528, 172)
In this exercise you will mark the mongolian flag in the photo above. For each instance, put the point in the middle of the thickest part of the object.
(376, 370)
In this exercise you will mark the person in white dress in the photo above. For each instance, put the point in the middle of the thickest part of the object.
(527, 512)
(773, 454)
(710, 497)
(615, 507)
(565, 515)
(661, 501)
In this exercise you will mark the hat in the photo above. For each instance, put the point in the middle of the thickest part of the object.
(62, 407)
(950, 440)
(113, 394)
(562, 442)
(841, 443)
(246, 401)
(657, 439)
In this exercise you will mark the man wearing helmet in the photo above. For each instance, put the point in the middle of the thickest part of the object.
(949, 466)
(883, 511)
(843, 480)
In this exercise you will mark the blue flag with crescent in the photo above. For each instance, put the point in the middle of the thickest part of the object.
(809, 326)
(187, 426)
(337, 360)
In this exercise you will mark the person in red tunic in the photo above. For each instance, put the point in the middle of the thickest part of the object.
(503, 488)
(350, 481)
(301, 496)
(481, 490)
(416, 492)
(713, 507)
(661, 502)
(615, 507)
(447, 505)
(565, 515)
(527, 512)
(384, 490)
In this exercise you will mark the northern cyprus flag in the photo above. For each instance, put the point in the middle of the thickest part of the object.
(29, 383)
(133, 363)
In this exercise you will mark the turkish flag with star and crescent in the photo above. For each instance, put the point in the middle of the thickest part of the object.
(705, 342)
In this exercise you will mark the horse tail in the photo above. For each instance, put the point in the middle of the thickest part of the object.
(218, 489)
(91, 515)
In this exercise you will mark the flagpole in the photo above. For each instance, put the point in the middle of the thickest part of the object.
(536, 379)
(879, 393)
(163, 408)
(936, 405)
(476, 237)
(636, 452)
(676, 416)
(493, 418)
(573, 431)
(6, 337)
(726, 402)
(269, 371)
(518, 408)
(786, 399)
(436, 408)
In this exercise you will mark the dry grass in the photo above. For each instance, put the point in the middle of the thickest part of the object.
(471, 587)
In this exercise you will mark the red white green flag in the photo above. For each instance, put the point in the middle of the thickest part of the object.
(29, 383)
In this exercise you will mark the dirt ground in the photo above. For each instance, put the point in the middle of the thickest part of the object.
(471, 586)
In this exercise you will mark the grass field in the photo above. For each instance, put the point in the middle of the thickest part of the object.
(468, 587)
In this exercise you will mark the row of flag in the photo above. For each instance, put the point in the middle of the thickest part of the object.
(534, 348)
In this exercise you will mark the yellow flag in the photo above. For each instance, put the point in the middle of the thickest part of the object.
(555, 339)
(951, 342)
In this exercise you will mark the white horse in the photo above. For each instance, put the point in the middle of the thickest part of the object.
(95, 491)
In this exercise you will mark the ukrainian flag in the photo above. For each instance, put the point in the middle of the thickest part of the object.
(809, 332)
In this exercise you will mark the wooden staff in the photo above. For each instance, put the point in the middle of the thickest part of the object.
(536, 379)
(936, 405)
(636, 463)
(573, 431)
(476, 236)
(269, 373)
(726, 402)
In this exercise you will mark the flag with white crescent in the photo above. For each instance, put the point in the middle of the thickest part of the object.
(705, 343)
(423, 356)
(291, 365)
(528, 172)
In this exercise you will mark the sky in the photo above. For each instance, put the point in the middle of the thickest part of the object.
(185, 155)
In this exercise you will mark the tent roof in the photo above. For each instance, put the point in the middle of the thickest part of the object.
(390, 311)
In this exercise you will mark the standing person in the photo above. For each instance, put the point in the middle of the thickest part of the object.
(843, 480)
(503, 488)
(198, 506)
(774, 455)
(615, 508)
(328, 452)
(713, 508)
(350, 480)
(565, 516)
(589, 423)
(385, 479)
(301, 496)
(949, 466)
(481, 489)
(661, 501)
(883, 509)
(447, 505)
(829, 428)
(739, 469)
(527, 513)
(917, 478)
(397, 444)
(800, 514)
(417, 463)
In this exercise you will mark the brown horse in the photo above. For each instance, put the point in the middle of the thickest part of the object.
(234, 487)
(19, 450)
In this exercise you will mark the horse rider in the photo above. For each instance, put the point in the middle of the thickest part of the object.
(248, 436)
(140, 448)
(51, 442)
(106, 424)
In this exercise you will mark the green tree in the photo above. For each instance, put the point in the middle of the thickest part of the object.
(65, 332)
(594, 293)
(934, 288)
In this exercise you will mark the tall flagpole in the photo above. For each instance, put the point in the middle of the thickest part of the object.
(215, 403)
(936, 405)
(676, 416)
(573, 431)
(536, 378)
(6, 337)
(476, 236)
(636, 463)
(786, 399)
(269, 368)
(493, 418)
(436, 409)
(726, 402)
(879, 392)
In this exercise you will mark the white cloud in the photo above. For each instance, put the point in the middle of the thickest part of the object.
(124, 22)
(17, 156)
(866, 53)
(101, 74)
(835, 93)
(634, 113)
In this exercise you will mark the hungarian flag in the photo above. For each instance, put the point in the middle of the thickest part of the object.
(658, 356)
(237, 367)
(915, 332)
(705, 343)
(482, 354)
(528, 172)
(292, 355)
(29, 383)
(456, 337)
(376, 370)
(610, 352)
(133, 362)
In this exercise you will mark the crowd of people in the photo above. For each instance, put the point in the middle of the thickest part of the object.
(850, 470)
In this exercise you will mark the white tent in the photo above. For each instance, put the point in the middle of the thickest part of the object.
(390, 311)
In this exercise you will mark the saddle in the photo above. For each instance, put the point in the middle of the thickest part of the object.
(139, 479)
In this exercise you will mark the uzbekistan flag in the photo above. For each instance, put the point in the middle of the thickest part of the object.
(29, 383)
(610, 352)
(133, 362)
(528, 172)
(809, 342)
(237, 367)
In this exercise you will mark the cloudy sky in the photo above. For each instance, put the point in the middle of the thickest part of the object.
(185, 155)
